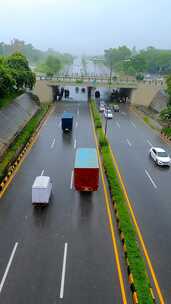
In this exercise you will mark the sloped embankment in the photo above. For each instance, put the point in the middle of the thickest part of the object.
(14, 117)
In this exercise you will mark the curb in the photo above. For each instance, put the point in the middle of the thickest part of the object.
(19, 158)
(122, 238)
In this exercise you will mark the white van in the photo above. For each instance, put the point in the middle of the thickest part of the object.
(41, 190)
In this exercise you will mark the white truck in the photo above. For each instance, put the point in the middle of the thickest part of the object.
(41, 190)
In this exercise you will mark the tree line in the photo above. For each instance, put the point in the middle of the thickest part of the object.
(137, 63)
(15, 74)
(34, 56)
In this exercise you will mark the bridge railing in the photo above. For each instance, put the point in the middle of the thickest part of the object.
(101, 79)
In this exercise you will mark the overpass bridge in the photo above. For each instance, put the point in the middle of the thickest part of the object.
(141, 92)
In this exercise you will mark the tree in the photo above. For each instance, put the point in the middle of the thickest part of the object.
(15, 74)
(7, 82)
(168, 82)
(51, 66)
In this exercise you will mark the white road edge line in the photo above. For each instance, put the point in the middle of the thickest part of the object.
(42, 172)
(59, 124)
(53, 143)
(78, 112)
(151, 180)
(72, 175)
(75, 143)
(132, 123)
(8, 266)
(63, 271)
(149, 143)
(129, 143)
(118, 124)
(76, 124)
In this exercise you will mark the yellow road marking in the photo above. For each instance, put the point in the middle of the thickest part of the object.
(24, 156)
(138, 230)
(110, 221)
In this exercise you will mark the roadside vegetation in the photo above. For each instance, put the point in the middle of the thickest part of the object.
(6, 100)
(54, 63)
(136, 63)
(20, 141)
(34, 56)
(16, 76)
(165, 114)
(136, 261)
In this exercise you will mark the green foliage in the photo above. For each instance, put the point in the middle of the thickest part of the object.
(21, 140)
(168, 82)
(167, 131)
(53, 63)
(113, 57)
(34, 55)
(7, 82)
(146, 119)
(5, 101)
(131, 62)
(166, 114)
(15, 74)
(136, 261)
(79, 81)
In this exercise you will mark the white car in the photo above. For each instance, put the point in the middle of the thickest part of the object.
(102, 108)
(160, 156)
(108, 114)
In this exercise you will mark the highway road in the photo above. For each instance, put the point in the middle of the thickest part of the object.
(62, 253)
(148, 188)
(92, 69)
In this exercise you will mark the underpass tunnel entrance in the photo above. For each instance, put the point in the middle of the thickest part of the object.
(121, 95)
(71, 93)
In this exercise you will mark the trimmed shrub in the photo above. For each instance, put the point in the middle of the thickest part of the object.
(136, 261)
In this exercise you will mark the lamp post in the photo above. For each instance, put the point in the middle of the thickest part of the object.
(106, 125)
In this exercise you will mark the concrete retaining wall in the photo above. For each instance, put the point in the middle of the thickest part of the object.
(144, 94)
(14, 117)
(43, 91)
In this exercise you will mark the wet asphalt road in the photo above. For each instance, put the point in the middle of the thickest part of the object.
(131, 140)
(79, 220)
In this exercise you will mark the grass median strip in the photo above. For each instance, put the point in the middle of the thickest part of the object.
(21, 140)
(141, 282)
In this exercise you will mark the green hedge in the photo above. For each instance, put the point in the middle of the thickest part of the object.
(21, 140)
(136, 261)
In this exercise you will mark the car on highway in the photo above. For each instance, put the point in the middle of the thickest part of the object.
(160, 156)
(102, 107)
(116, 108)
(108, 114)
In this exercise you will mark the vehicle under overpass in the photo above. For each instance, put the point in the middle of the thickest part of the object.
(140, 92)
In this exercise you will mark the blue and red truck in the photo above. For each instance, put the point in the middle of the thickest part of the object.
(86, 170)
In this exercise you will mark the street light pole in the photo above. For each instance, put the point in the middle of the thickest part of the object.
(110, 76)
(106, 126)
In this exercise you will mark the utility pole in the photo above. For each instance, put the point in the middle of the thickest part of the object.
(106, 125)
(111, 70)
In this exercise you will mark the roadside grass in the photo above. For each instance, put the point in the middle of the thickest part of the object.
(20, 141)
(79, 81)
(146, 119)
(8, 99)
(167, 131)
(136, 261)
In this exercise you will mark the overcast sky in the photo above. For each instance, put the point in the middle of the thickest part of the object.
(86, 26)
